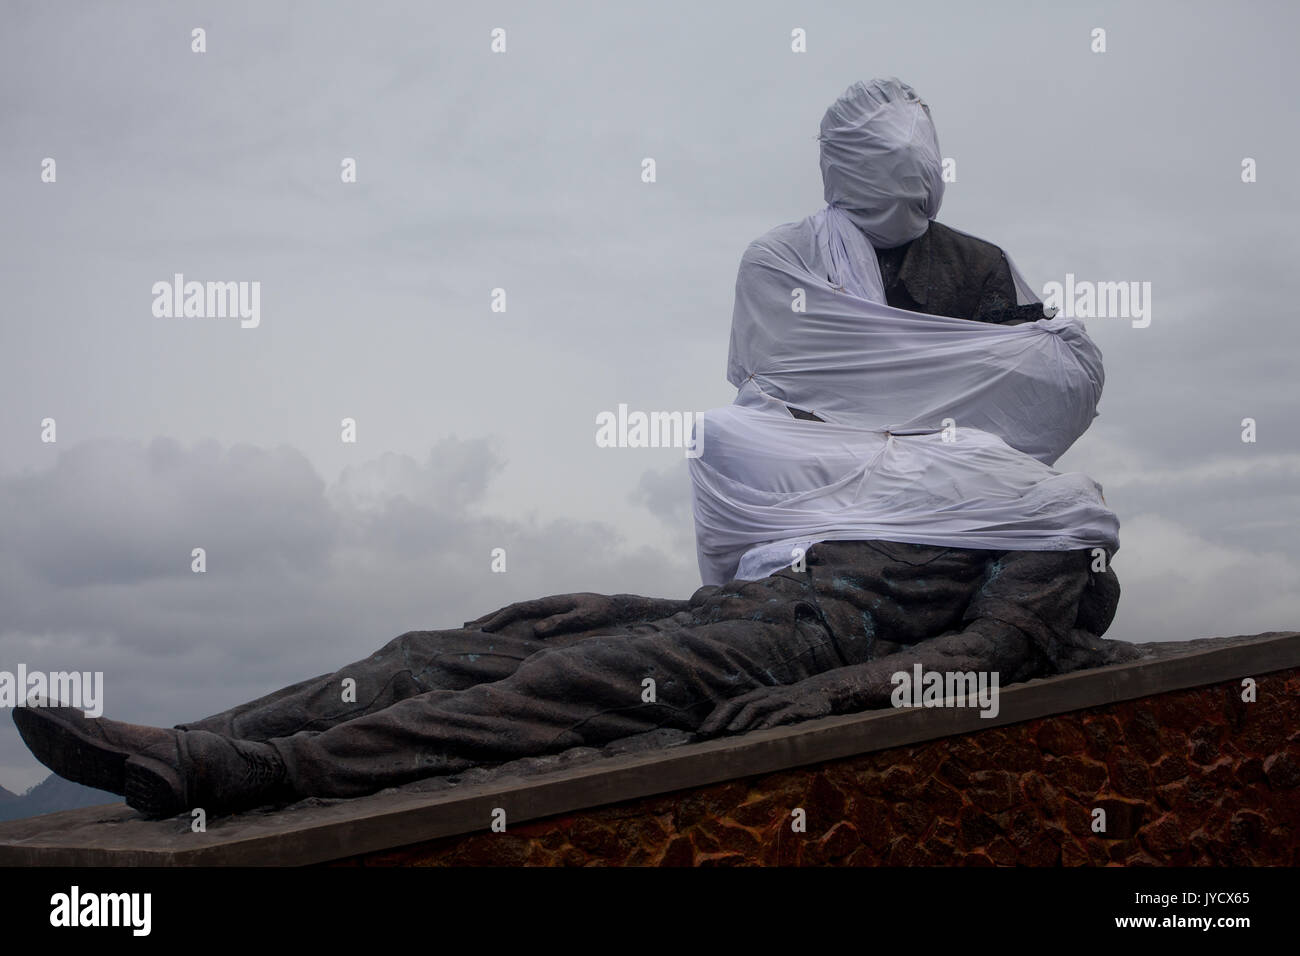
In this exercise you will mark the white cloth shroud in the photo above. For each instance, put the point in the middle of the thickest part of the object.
(936, 430)
(882, 465)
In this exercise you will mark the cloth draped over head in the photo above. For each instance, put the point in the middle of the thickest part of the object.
(880, 161)
(935, 430)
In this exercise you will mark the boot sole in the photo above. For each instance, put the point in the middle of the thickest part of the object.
(153, 788)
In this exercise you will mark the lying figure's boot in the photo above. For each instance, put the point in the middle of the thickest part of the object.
(89, 751)
(160, 772)
(200, 769)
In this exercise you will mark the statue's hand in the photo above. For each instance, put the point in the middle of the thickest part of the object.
(767, 707)
(557, 614)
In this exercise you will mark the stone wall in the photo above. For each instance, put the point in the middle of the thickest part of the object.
(1185, 777)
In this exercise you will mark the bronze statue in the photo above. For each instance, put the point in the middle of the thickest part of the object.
(586, 669)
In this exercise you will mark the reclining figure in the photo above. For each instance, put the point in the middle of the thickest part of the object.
(879, 496)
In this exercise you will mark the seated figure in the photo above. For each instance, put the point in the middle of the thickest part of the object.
(780, 643)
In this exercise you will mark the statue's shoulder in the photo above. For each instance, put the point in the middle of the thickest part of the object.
(953, 244)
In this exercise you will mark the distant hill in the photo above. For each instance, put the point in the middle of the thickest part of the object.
(50, 795)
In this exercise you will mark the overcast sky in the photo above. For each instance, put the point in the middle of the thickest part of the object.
(522, 170)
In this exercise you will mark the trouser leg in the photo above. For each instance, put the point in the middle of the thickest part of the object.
(418, 662)
(588, 693)
(434, 663)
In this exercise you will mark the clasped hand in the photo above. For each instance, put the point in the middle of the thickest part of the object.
(768, 707)
(557, 614)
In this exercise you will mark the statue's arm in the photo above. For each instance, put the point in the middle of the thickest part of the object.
(586, 610)
(997, 292)
(985, 644)
(844, 690)
(635, 609)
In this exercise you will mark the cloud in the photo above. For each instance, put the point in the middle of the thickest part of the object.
(117, 513)
(1177, 585)
(666, 494)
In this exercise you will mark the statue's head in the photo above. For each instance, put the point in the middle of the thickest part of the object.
(880, 161)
